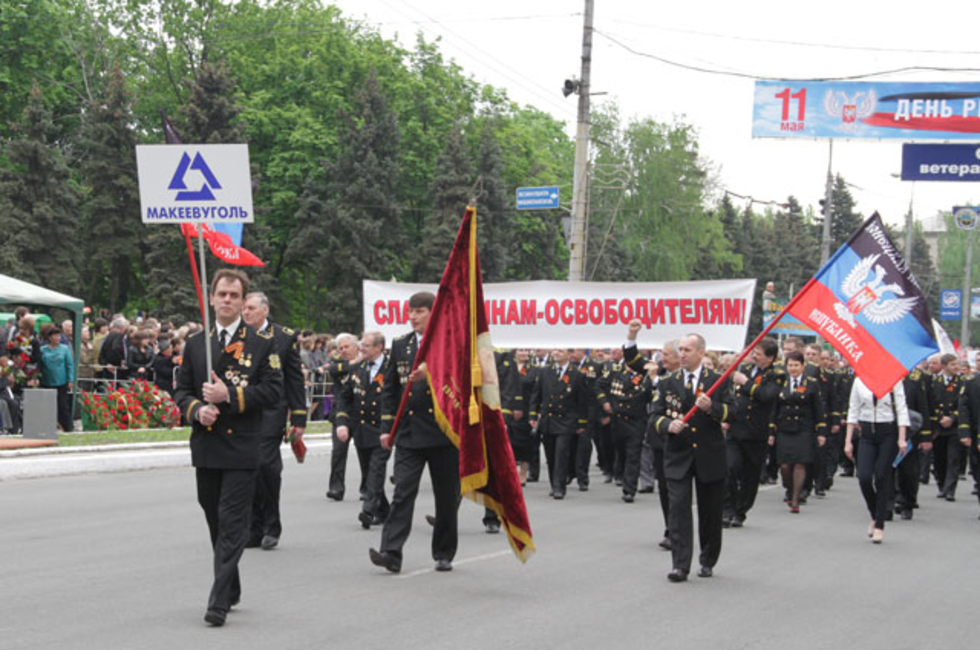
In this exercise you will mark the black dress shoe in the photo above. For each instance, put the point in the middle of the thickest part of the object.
(431, 520)
(493, 527)
(726, 522)
(666, 544)
(677, 575)
(215, 617)
(906, 515)
(738, 521)
(558, 494)
(365, 519)
(444, 565)
(384, 559)
(253, 542)
(646, 490)
(607, 478)
(705, 572)
(628, 498)
(950, 498)
(583, 487)
(269, 542)
(335, 496)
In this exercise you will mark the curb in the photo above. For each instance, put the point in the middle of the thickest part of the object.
(68, 461)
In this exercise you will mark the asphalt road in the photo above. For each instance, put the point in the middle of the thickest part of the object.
(117, 561)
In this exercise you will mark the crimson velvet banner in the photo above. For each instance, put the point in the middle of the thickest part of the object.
(587, 314)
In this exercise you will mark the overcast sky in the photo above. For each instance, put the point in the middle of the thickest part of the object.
(529, 48)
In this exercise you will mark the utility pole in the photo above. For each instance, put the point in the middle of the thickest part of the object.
(967, 302)
(909, 223)
(580, 182)
(828, 208)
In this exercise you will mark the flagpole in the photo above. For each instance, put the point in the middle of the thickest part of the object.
(197, 276)
(204, 282)
(741, 357)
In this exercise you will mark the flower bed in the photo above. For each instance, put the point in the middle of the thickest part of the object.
(138, 405)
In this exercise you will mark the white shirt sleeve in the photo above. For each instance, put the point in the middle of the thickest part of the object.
(854, 404)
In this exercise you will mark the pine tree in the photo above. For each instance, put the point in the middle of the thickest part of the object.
(846, 220)
(38, 205)
(112, 232)
(351, 222)
(451, 190)
(209, 117)
(492, 209)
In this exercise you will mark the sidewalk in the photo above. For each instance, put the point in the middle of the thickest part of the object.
(62, 461)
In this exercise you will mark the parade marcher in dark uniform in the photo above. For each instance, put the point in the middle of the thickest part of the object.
(656, 441)
(916, 385)
(933, 368)
(948, 446)
(628, 393)
(540, 359)
(517, 377)
(559, 410)
(338, 370)
(842, 398)
(755, 388)
(419, 442)
(969, 418)
(694, 454)
(581, 452)
(266, 524)
(359, 417)
(816, 469)
(884, 423)
(830, 452)
(225, 407)
(605, 450)
(800, 423)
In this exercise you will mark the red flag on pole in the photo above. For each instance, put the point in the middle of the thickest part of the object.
(222, 246)
(462, 376)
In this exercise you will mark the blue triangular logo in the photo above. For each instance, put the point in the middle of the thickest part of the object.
(177, 182)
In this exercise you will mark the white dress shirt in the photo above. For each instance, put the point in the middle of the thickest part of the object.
(231, 329)
(862, 407)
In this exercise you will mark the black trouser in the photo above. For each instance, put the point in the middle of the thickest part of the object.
(628, 442)
(443, 465)
(772, 464)
(745, 461)
(64, 408)
(375, 502)
(711, 498)
(581, 456)
(846, 464)
(268, 486)
(975, 465)
(534, 461)
(834, 450)
(907, 476)
(947, 455)
(557, 451)
(658, 468)
(879, 446)
(824, 465)
(338, 464)
(225, 496)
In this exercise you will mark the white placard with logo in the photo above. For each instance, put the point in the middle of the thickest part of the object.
(192, 183)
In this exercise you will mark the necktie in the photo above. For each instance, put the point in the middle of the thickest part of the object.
(223, 338)
(690, 382)
(796, 383)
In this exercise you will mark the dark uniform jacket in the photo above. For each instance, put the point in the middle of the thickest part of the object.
(969, 409)
(293, 402)
(701, 446)
(359, 406)
(627, 389)
(250, 367)
(802, 409)
(592, 371)
(944, 399)
(842, 395)
(916, 385)
(516, 385)
(754, 403)
(418, 428)
(560, 404)
(338, 371)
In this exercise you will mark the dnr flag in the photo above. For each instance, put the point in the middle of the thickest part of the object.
(866, 303)
(462, 376)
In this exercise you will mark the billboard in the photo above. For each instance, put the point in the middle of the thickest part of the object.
(866, 110)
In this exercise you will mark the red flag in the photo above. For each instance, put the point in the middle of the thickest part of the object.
(462, 375)
(222, 246)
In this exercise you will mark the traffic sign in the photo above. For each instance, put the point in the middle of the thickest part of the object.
(537, 198)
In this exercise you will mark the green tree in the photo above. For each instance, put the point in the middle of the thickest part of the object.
(112, 232)
(451, 190)
(493, 213)
(38, 203)
(350, 215)
(846, 219)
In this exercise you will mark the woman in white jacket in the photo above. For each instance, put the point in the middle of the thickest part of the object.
(882, 424)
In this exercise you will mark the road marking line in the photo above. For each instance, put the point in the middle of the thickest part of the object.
(470, 560)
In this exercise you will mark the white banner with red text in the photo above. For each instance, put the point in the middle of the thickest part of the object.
(586, 314)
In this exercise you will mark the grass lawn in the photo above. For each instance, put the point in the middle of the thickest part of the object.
(147, 435)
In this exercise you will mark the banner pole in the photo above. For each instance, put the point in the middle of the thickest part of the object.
(745, 352)
(204, 283)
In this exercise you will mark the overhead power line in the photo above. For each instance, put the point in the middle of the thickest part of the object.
(761, 77)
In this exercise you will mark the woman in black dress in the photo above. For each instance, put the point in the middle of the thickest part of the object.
(799, 418)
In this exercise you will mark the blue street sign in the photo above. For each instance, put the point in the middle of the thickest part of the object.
(951, 304)
(940, 162)
(537, 198)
